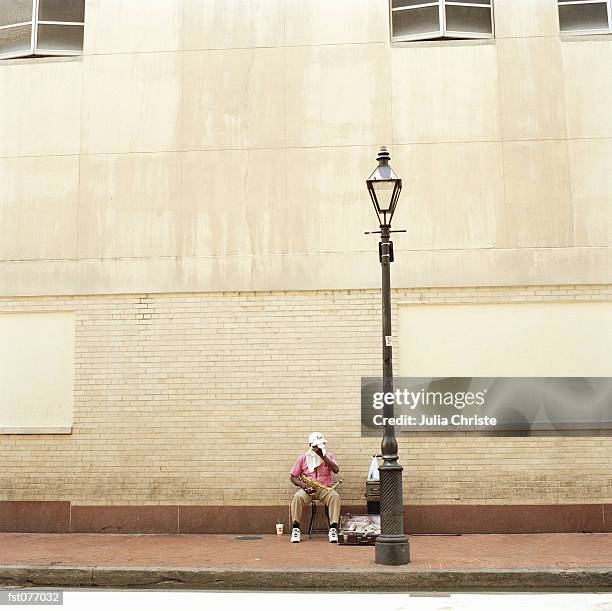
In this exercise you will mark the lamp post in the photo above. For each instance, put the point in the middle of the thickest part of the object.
(392, 547)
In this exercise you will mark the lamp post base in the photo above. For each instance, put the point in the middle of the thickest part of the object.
(392, 545)
(392, 550)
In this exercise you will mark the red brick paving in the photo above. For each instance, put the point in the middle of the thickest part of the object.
(224, 551)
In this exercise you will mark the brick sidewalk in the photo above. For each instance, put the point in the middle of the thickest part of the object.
(272, 552)
(501, 562)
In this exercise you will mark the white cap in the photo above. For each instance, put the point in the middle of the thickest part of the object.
(315, 439)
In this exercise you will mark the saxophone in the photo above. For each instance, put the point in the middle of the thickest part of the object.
(315, 483)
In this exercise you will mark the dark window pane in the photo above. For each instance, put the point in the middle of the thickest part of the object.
(469, 19)
(16, 40)
(62, 10)
(402, 3)
(60, 38)
(15, 11)
(574, 17)
(416, 21)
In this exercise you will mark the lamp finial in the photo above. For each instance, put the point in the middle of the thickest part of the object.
(383, 156)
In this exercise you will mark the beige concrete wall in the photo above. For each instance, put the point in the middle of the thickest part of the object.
(204, 145)
(193, 188)
(208, 398)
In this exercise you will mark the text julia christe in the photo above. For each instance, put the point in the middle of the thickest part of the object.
(434, 420)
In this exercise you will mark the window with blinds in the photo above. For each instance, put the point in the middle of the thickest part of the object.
(585, 16)
(41, 27)
(422, 20)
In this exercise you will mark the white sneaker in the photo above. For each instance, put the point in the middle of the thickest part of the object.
(295, 535)
(333, 535)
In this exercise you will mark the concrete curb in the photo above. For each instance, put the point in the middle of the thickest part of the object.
(301, 579)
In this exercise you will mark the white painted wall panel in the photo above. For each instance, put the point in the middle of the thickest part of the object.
(506, 339)
(36, 371)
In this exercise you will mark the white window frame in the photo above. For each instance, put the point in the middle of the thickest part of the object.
(443, 31)
(607, 30)
(33, 50)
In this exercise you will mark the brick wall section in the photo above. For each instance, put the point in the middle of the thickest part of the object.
(207, 399)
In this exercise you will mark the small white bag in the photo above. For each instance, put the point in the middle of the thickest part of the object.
(373, 472)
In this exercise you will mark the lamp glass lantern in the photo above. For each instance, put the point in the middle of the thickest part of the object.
(384, 187)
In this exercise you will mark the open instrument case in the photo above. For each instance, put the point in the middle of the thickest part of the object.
(359, 530)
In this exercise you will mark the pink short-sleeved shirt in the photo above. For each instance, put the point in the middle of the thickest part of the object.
(322, 473)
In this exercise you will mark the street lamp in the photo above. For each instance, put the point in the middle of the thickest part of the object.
(392, 547)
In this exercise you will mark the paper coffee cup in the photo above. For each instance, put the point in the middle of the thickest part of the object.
(279, 529)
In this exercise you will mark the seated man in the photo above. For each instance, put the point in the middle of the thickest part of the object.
(318, 464)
